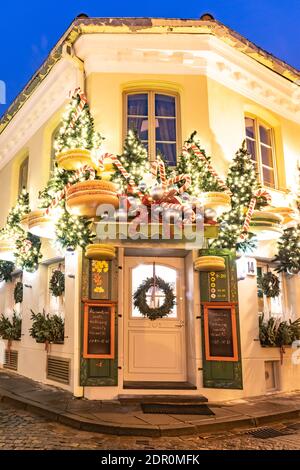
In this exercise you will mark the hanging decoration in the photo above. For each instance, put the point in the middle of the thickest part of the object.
(98, 269)
(269, 284)
(100, 251)
(18, 292)
(77, 137)
(57, 283)
(72, 231)
(6, 270)
(209, 263)
(288, 255)
(260, 193)
(153, 311)
(28, 252)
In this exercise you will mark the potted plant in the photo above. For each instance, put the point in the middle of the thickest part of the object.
(47, 329)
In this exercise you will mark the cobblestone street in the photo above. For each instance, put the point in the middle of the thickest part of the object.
(22, 430)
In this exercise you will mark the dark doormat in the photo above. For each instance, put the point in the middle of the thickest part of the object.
(174, 409)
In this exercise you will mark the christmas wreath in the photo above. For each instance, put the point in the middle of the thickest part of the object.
(57, 283)
(140, 298)
(18, 293)
(269, 284)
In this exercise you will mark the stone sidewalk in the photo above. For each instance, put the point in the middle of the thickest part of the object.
(114, 417)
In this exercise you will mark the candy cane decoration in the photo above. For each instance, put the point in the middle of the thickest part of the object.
(158, 165)
(81, 105)
(199, 154)
(178, 178)
(77, 175)
(259, 193)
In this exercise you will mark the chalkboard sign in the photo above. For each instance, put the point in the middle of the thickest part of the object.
(99, 335)
(220, 332)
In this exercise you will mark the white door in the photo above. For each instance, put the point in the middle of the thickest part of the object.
(155, 350)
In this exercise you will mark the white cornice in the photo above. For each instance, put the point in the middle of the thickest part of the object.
(190, 55)
(52, 93)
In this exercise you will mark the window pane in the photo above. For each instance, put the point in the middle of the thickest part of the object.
(144, 271)
(23, 175)
(168, 151)
(268, 176)
(250, 131)
(165, 130)
(164, 105)
(137, 105)
(265, 135)
(140, 125)
(266, 156)
(251, 149)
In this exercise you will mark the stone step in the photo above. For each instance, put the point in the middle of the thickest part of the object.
(165, 399)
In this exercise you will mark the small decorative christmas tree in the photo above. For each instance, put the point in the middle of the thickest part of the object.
(13, 227)
(77, 133)
(288, 256)
(58, 180)
(135, 161)
(243, 183)
(202, 179)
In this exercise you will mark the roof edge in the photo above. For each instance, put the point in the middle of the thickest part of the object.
(89, 25)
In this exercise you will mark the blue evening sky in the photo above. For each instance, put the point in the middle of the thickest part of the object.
(29, 29)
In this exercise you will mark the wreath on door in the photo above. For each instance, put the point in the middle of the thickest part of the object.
(140, 298)
(57, 283)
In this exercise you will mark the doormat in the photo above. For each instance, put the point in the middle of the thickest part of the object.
(174, 409)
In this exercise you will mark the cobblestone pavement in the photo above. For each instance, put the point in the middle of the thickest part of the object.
(22, 430)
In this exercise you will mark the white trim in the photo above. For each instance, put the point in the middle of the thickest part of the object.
(186, 54)
(48, 97)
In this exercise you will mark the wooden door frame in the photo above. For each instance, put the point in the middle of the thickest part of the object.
(126, 301)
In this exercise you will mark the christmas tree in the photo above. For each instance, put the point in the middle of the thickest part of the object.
(135, 161)
(201, 178)
(243, 183)
(57, 181)
(79, 133)
(13, 227)
(288, 256)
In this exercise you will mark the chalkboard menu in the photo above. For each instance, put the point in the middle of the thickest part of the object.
(220, 332)
(99, 320)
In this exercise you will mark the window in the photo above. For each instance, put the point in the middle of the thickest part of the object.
(260, 144)
(52, 154)
(155, 298)
(154, 117)
(275, 307)
(23, 175)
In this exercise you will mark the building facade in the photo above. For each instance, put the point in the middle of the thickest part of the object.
(209, 79)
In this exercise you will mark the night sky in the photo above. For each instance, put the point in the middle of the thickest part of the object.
(29, 29)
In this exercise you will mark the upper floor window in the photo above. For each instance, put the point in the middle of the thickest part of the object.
(23, 175)
(154, 117)
(260, 144)
(52, 154)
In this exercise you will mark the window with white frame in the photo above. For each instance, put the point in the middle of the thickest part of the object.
(261, 146)
(56, 305)
(23, 175)
(154, 116)
(271, 306)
